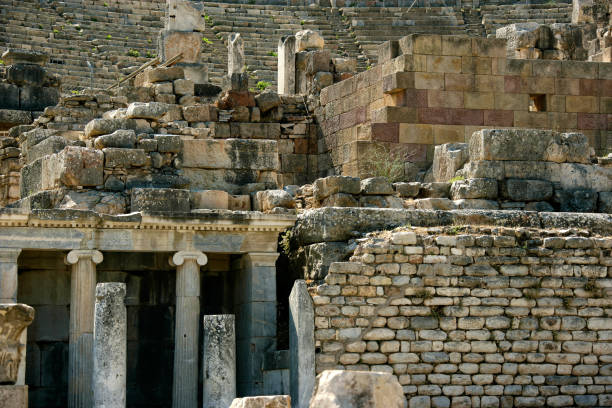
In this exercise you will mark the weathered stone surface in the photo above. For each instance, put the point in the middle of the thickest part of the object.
(271, 401)
(210, 199)
(435, 203)
(98, 127)
(173, 43)
(14, 396)
(123, 158)
(22, 56)
(14, 117)
(235, 54)
(435, 190)
(14, 318)
(149, 110)
(474, 188)
(529, 144)
(119, 138)
(286, 65)
(520, 35)
(98, 201)
(219, 363)
(528, 190)
(407, 189)
(308, 40)
(160, 200)
(26, 74)
(582, 11)
(110, 346)
(185, 16)
(324, 187)
(576, 200)
(200, 113)
(168, 143)
(605, 202)
(231, 154)
(72, 167)
(340, 200)
(267, 100)
(159, 74)
(376, 186)
(475, 204)
(348, 389)
(448, 158)
(267, 200)
(301, 344)
(50, 145)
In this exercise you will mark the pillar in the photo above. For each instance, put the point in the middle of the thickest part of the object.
(256, 319)
(187, 323)
(8, 275)
(235, 54)
(286, 65)
(80, 349)
(109, 348)
(219, 361)
(301, 345)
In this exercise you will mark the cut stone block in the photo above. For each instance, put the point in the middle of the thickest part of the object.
(267, 200)
(173, 43)
(340, 200)
(448, 158)
(210, 199)
(149, 200)
(308, 40)
(148, 110)
(528, 190)
(231, 154)
(376, 186)
(271, 401)
(301, 344)
(325, 187)
(154, 75)
(474, 188)
(14, 396)
(73, 167)
(119, 138)
(219, 365)
(14, 56)
(200, 113)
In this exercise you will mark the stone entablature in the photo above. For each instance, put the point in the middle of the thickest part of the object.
(429, 90)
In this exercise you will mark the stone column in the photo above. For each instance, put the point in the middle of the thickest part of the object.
(301, 345)
(110, 344)
(235, 54)
(8, 275)
(286, 65)
(80, 350)
(219, 361)
(186, 330)
(256, 319)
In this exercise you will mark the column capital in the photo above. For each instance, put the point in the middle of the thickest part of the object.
(181, 256)
(77, 254)
(9, 255)
(262, 258)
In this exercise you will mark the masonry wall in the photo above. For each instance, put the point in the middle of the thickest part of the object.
(478, 316)
(430, 89)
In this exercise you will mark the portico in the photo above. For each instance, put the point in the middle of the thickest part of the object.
(244, 241)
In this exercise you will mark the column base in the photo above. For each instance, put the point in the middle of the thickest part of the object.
(14, 396)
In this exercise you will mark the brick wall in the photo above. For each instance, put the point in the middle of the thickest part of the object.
(440, 89)
(478, 317)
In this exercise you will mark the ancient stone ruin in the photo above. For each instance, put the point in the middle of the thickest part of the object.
(311, 204)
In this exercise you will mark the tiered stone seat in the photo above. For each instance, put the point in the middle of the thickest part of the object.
(372, 26)
(496, 16)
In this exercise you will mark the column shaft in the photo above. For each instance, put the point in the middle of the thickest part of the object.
(110, 343)
(8, 275)
(186, 330)
(80, 349)
(219, 361)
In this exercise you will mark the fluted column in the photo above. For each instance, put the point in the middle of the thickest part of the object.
(255, 319)
(186, 330)
(80, 350)
(8, 275)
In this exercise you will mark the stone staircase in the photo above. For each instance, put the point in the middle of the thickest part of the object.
(496, 16)
(473, 23)
(371, 26)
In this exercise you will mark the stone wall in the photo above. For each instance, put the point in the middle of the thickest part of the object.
(473, 316)
(431, 90)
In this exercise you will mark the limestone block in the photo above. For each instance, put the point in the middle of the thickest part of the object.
(434, 190)
(342, 65)
(340, 200)
(528, 190)
(407, 190)
(267, 200)
(119, 138)
(387, 51)
(576, 200)
(605, 202)
(14, 56)
(10, 96)
(301, 344)
(37, 98)
(574, 176)
(325, 187)
(520, 35)
(376, 186)
(348, 389)
(185, 16)
(210, 199)
(173, 43)
(200, 113)
(98, 127)
(271, 401)
(529, 144)
(231, 154)
(13, 117)
(434, 204)
(123, 158)
(235, 54)
(308, 40)
(168, 143)
(267, 100)
(183, 87)
(14, 396)
(240, 202)
(160, 74)
(26, 74)
(219, 361)
(539, 206)
(448, 158)
(475, 204)
(97, 201)
(148, 110)
(582, 11)
(474, 188)
(50, 145)
(72, 167)
(160, 200)
(14, 318)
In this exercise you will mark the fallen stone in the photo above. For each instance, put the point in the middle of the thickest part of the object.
(146, 110)
(269, 401)
(520, 35)
(267, 200)
(210, 199)
(267, 100)
(474, 188)
(407, 190)
(50, 145)
(14, 319)
(376, 186)
(100, 202)
(168, 143)
(115, 157)
(434, 204)
(448, 158)
(200, 113)
(14, 56)
(434, 190)
(98, 127)
(183, 87)
(308, 40)
(73, 167)
(325, 187)
(120, 138)
(349, 389)
(340, 200)
(158, 75)
(528, 190)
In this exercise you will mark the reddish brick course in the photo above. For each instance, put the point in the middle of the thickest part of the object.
(385, 132)
(498, 118)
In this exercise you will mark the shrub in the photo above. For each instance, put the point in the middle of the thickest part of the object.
(384, 164)
(133, 53)
(262, 85)
(273, 53)
(108, 37)
(206, 40)
(149, 54)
